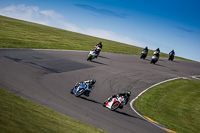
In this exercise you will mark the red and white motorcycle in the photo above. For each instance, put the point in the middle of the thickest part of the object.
(115, 103)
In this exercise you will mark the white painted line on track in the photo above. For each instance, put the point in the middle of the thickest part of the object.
(131, 103)
(195, 77)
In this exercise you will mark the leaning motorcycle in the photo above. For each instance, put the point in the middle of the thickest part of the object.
(154, 58)
(143, 54)
(115, 103)
(171, 57)
(79, 89)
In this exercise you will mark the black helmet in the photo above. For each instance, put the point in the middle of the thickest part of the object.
(128, 93)
(93, 81)
(146, 47)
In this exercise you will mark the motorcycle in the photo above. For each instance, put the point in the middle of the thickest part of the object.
(115, 103)
(91, 55)
(154, 58)
(143, 54)
(80, 89)
(171, 57)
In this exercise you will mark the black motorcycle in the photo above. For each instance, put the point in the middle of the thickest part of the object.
(171, 57)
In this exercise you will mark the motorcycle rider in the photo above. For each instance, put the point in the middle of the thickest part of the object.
(172, 52)
(99, 45)
(97, 51)
(145, 49)
(90, 84)
(126, 94)
(158, 50)
(157, 53)
(144, 53)
(171, 55)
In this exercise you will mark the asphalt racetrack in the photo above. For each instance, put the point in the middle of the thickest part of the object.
(46, 77)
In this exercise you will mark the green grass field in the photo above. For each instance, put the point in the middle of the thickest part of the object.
(18, 115)
(175, 104)
(21, 34)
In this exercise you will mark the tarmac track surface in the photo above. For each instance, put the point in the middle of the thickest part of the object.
(46, 77)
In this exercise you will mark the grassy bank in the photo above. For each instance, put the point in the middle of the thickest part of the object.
(18, 115)
(174, 104)
(21, 34)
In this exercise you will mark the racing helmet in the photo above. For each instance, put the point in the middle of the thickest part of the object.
(93, 81)
(128, 93)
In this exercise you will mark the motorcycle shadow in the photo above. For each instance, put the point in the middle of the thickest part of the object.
(103, 57)
(163, 60)
(90, 100)
(175, 61)
(125, 114)
(159, 65)
(99, 63)
(147, 59)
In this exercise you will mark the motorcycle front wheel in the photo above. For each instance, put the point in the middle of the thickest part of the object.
(115, 105)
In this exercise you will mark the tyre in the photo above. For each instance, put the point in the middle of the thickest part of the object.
(121, 106)
(104, 104)
(145, 56)
(89, 58)
(154, 62)
(172, 58)
(80, 92)
(71, 91)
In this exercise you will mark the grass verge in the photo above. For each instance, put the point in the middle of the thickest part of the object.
(22, 116)
(21, 34)
(175, 104)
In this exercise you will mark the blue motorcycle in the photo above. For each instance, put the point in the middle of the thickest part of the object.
(80, 89)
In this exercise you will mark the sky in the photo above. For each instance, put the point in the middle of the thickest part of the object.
(167, 24)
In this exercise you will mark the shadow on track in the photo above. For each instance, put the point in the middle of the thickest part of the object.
(175, 61)
(14, 59)
(103, 57)
(123, 113)
(147, 59)
(90, 100)
(159, 65)
(99, 63)
(162, 60)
